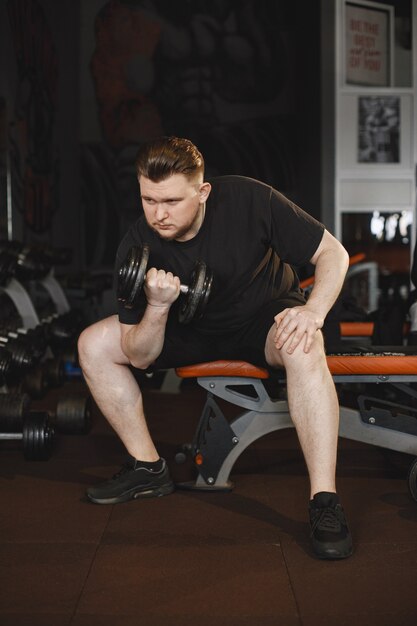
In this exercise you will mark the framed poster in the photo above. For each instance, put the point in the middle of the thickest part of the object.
(369, 44)
(376, 132)
(379, 126)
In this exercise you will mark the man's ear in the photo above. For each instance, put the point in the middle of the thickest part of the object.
(204, 191)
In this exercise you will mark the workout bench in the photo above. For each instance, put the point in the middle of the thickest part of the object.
(218, 443)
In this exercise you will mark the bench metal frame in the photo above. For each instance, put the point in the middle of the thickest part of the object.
(218, 442)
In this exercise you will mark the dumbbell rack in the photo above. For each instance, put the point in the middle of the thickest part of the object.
(34, 429)
(23, 302)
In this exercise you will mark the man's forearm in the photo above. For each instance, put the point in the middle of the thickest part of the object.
(330, 273)
(144, 341)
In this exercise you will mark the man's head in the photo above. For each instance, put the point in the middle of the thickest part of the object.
(161, 158)
(170, 173)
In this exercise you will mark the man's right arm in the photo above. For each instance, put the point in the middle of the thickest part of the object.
(142, 343)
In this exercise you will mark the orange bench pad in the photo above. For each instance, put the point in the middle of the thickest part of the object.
(338, 365)
(363, 329)
(353, 329)
(374, 364)
(222, 368)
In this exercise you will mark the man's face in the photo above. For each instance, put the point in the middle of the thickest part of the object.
(174, 207)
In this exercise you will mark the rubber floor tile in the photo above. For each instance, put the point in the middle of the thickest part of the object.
(378, 578)
(379, 510)
(42, 578)
(229, 582)
(186, 519)
(57, 513)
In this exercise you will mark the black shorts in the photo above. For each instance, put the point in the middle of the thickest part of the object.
(185, 346)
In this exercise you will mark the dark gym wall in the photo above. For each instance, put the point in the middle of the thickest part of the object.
(39, 96)
(239, 77)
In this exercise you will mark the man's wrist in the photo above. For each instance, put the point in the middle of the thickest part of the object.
(158, 308)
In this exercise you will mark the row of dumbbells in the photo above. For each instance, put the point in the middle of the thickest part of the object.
(36, 430)
(24, 355)
(29, 261)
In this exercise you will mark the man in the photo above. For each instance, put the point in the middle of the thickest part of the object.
(249, 235)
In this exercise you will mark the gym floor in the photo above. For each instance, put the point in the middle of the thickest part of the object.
(214, 559)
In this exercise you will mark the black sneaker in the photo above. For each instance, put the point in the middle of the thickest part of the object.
(131, 482)
(330, 534)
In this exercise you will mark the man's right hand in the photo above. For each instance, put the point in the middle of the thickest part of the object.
(161, 288)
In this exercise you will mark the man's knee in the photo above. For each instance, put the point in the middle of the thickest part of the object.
(97, 341)
(298, 358)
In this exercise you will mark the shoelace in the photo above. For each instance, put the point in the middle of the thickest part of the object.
(127, 467)
(327, 519)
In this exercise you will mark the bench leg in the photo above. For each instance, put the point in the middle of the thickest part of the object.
(218, 443)
(353, 427)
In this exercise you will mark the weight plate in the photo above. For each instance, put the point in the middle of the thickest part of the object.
(13, 409)
(196, 293)
(132, 274)
(38, 437)
(35, 383)
(73, 415)
(205, 293)
(54, 370)
(5, 362)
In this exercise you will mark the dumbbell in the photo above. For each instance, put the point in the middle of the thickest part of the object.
(32, 261)
(37, 437)
(33, 338)
(62, 330)
(21, 356)
(132, 274)
(72, 415)
(26, 346)
(49, 373)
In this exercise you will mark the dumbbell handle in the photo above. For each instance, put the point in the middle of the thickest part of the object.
(10, 436)
(184, 288)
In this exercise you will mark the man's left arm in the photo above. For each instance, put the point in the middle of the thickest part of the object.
(298, 325)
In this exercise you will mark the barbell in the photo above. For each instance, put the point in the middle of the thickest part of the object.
(131, 278)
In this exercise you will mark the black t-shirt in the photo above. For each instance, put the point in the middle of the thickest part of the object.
(250, 237)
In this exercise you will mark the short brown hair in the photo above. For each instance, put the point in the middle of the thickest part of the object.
(165, 156)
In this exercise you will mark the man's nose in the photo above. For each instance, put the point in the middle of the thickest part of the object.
(161, 212)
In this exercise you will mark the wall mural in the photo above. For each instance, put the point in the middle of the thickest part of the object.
(33, 151)
(216, 71)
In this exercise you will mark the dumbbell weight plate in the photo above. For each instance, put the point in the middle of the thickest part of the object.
(205, 293)
(38, 437)
(132, 275)
(194, 302)
(54, 371)
(35, 383)
(73, 415)
(13, 409)
(5, 362)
